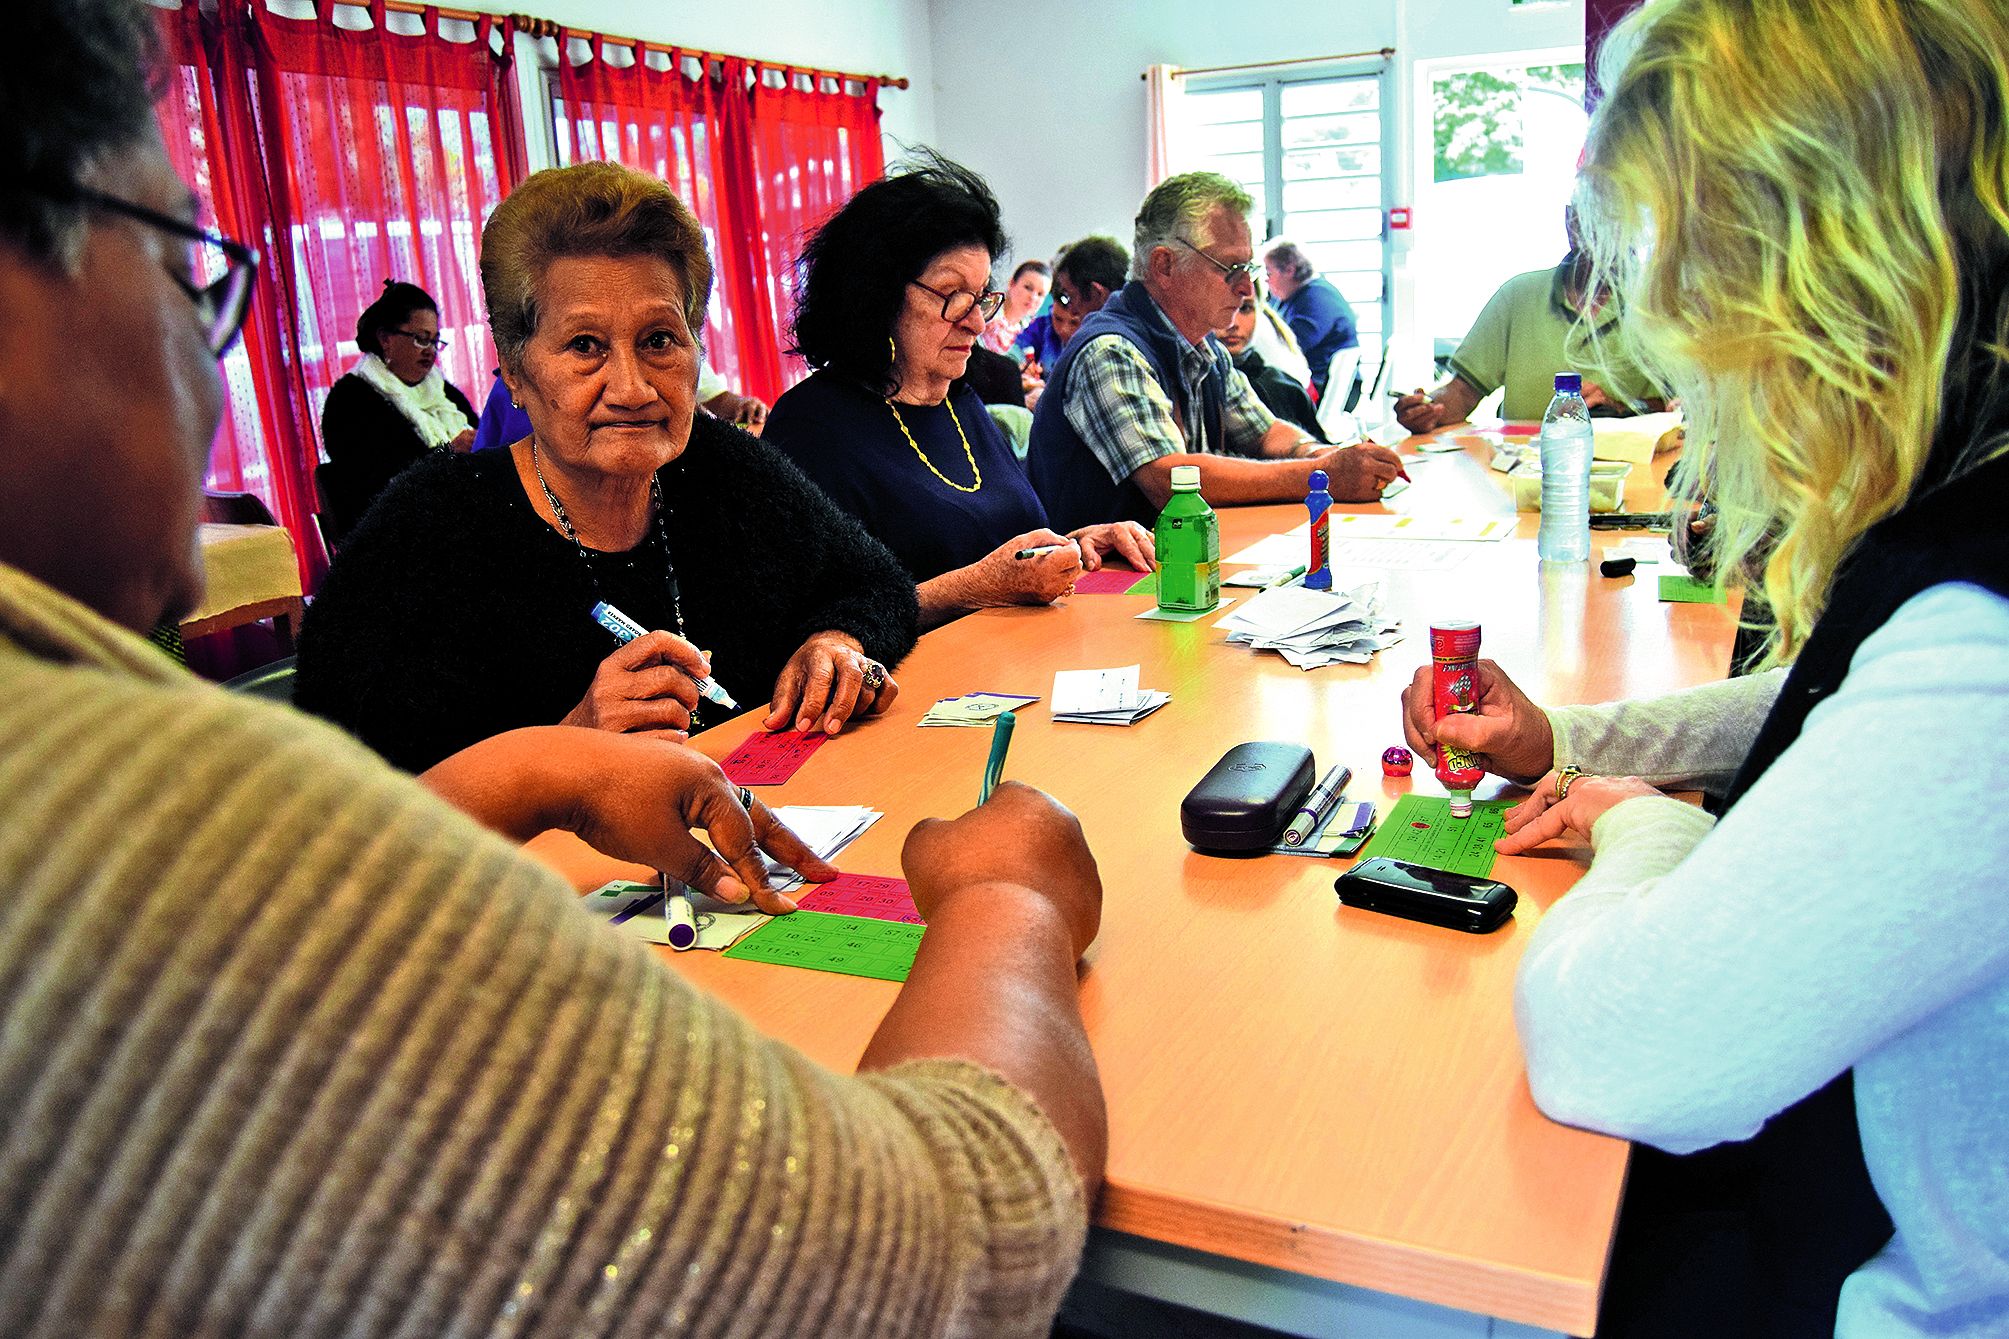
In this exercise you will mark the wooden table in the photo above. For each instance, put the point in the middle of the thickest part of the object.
(1319, 1119)
(250, 573)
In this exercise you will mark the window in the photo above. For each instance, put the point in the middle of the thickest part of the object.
(1494, 173)
(1309, 150)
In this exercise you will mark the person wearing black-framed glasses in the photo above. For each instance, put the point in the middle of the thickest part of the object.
(1086, 274)
(895, 294)
(392, 408)
(1144, 387)
(217, 275)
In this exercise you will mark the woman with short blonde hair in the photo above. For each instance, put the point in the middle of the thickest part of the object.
(1803, 206)
(465, 606)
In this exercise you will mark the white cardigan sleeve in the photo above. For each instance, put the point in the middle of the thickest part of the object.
(1695, 738)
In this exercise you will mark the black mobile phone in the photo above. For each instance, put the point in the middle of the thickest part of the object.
(1433, 896)
(1629, 520)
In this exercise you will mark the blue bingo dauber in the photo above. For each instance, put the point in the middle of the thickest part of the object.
(627, 629)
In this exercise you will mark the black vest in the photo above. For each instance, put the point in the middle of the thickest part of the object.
(1756, 1238)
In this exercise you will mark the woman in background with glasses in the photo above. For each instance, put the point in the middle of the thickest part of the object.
(393, 406)
(895, 292)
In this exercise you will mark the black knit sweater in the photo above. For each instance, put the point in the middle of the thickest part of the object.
(454, 612)
(368, 443)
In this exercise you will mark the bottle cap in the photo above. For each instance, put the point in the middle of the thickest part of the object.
(1185, 478)
(1570, 382)
(1318, 480)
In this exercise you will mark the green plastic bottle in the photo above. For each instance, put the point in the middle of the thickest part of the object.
(1189, 546)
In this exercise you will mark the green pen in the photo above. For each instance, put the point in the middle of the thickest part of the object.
(1000, 743)
(1287, 577)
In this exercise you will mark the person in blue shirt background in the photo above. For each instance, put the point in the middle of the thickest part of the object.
(1319, 316)
(1085, 273)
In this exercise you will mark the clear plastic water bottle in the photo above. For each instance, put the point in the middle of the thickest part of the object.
(1566, 454)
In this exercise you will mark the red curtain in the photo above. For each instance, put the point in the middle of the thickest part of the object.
(347, 157)
(666, 121)
(761, 166)
(382, 151)
(259, 448)
(814, 142)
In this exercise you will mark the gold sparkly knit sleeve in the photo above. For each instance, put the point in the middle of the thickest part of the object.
(291, 1048)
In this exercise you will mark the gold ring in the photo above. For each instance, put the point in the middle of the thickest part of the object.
(875, 675)
(1565, 778)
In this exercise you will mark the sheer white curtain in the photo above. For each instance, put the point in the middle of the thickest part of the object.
(1164, 102)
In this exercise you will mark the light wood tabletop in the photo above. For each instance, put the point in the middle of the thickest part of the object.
(1291, 1084)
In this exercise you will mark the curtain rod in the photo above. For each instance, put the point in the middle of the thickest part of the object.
(537, 27)
(1384, 53)
(413, 7)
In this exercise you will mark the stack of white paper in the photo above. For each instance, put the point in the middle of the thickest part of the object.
(824, 828)
(1103, 697)
(1311, 628)
(975, 708)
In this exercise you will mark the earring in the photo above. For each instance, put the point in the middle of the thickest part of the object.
(892, 349)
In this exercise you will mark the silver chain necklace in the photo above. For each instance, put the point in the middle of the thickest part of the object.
(661, 529)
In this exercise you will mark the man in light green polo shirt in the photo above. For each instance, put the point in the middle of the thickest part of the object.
(1528, 332)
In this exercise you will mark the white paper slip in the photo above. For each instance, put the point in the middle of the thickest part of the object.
(1382, 525)
(1396, 487)
(1644, 549)
(975, 709)
(824, 828)
(1103, 697)
(1401, 555)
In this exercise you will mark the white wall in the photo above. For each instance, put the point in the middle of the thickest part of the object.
(1044, 98)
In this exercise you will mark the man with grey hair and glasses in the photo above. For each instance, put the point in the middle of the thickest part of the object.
(1144, 385)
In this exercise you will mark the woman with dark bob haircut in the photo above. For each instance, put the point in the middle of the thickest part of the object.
(394, 406)
(895, 291)
(464, 605)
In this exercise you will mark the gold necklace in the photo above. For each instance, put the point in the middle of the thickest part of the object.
(968, 454)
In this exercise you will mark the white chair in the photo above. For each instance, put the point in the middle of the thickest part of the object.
(1332, 414)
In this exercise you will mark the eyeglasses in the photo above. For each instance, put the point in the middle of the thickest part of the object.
(222, 297)
(1248, 269)
(957, 305)
(423, 341)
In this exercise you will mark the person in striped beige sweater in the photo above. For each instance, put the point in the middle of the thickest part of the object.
(295, 1044)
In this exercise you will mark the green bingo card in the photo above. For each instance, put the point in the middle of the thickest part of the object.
(1422, 832)
(820, 941)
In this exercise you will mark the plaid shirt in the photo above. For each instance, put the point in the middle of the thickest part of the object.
(1115, 403)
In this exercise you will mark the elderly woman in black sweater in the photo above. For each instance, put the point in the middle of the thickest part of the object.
(463, 606)
(393, 407)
